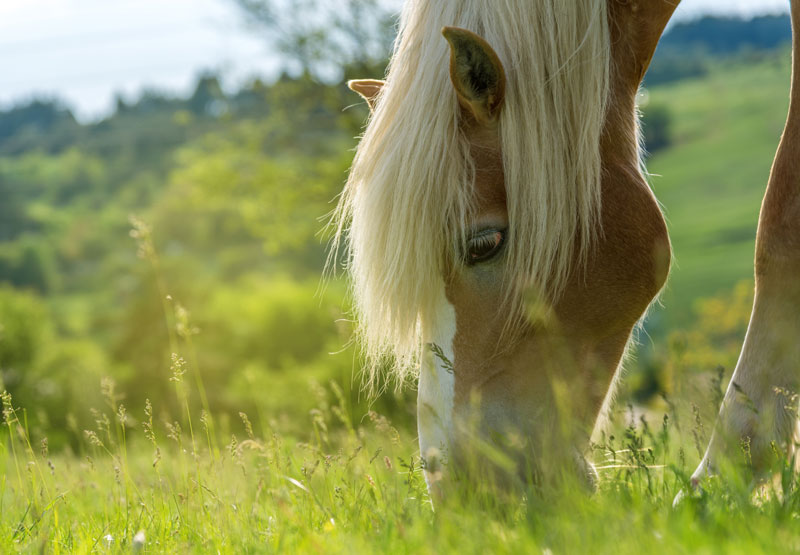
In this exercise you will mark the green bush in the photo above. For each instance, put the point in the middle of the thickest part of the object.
(656, 127)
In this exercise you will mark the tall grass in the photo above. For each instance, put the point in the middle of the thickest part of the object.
(144, 479)
(143, 483)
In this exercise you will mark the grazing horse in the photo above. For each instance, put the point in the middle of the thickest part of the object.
(503, 241)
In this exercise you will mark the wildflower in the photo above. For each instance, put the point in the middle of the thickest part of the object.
(139, 540)
(109, 539)
(329, 526)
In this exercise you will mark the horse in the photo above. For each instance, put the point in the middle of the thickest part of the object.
(503, 241)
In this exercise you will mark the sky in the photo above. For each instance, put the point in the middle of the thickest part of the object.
(86, 51)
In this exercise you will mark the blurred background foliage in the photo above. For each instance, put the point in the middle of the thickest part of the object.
(222, 195)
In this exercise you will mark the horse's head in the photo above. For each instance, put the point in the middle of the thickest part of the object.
(527, 244)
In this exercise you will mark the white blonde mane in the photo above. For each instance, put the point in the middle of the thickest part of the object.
(404, 209)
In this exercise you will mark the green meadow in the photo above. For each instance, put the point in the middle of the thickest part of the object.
(711, 179)
(352, 483)
(180, 380)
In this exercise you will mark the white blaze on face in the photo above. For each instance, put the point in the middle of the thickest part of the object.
(435, 393)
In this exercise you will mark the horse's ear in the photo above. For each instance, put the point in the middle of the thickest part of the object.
(477, 74)
(636, 26)
(369, 89)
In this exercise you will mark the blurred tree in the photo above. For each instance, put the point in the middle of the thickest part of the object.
(327, 39)
(656, 122)
(728, 35)
(35, 268)
(691, 48)
(38, 115)
(24, 327)
(27, 264)
(12, 213)
(230, 189)
(208, 98)
(38, 125)
(674, 64)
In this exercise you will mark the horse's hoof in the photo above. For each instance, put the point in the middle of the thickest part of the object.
(684, 494)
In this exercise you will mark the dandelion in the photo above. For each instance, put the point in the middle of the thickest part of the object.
(329, 526)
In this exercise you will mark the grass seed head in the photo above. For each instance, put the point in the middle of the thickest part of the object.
(178, 368)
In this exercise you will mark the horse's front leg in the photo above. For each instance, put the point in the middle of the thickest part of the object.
(759, 412)
(760, 407)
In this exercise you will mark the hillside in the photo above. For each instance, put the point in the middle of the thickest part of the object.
(725, 129)
(693, 48)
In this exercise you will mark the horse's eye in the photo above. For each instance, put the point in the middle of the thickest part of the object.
(484, 245)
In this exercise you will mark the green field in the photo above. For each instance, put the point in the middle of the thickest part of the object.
(354, 485)
(711, 180)
(110, 444)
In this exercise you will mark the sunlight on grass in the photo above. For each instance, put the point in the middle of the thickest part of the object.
(141, 484)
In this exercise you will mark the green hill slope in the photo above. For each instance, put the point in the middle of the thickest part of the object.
(725, 129)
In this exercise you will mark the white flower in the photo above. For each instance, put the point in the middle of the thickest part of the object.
(138, 540)
(109, 539)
